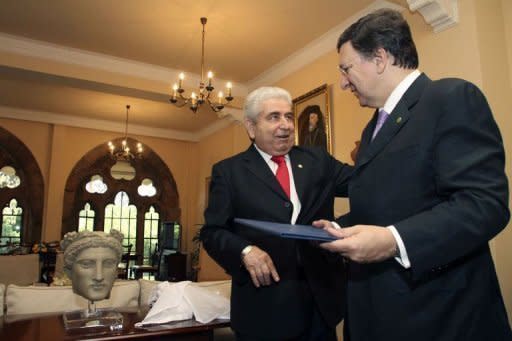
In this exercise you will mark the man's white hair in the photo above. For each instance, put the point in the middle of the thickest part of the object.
(255, 99)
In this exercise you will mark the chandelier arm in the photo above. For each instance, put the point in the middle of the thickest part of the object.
(203, 21)
(182, 104)
(126, 123)
(186, 99)
(216, 107)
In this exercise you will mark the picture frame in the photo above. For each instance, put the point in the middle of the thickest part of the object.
(305, 106)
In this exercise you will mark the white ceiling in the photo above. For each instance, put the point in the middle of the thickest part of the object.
(80, 62)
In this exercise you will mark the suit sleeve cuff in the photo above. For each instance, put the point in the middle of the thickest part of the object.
(402, 258)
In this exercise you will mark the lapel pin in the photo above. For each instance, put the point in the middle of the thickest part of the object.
(300, 165)
(398, 120)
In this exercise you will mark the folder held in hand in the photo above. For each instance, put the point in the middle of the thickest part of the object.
(288, 230)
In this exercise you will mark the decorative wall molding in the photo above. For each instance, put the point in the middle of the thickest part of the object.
(324, 44)
(101, 62)
(232, 115)
(89, 123)
(440, 14)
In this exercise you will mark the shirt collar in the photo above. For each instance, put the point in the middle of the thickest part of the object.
(399, 91)
(267, 156)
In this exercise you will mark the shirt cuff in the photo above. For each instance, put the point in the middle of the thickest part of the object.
(402, 259)
(335, 224)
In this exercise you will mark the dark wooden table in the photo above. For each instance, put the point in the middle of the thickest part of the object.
(51, 327)
(138, 270)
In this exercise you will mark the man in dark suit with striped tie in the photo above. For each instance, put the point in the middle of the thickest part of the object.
(427, 194)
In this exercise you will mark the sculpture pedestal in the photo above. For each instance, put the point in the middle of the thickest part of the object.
(93, 318)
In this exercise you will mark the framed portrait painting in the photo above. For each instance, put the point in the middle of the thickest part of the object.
(313, 119)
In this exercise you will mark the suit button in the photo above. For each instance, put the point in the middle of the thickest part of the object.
(287, 204)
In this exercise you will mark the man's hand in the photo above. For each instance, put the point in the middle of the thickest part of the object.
(360, 243)
(260, 267)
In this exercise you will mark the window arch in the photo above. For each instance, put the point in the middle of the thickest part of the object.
(97, 163)
(29, 194)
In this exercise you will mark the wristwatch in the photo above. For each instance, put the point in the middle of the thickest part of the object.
(245, 251)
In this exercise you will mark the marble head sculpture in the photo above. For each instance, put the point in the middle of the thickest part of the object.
(90, 261)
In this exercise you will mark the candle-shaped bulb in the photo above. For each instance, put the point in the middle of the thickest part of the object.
(229, 86)
(174, 90)
(210, 76)
(221, 95)
(193, 97)
(181, 78)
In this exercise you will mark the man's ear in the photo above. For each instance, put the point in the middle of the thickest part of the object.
(250, 126)
(381, 58)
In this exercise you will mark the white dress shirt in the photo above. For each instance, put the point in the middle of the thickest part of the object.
(294, 198)
(389, 106)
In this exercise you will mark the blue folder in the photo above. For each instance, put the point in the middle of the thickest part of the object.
(288, 230)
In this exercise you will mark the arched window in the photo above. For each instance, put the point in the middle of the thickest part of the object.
(12, 221)
(122, 216)
(133, 196)
(151, 228)
(21, 180)
(86, 219)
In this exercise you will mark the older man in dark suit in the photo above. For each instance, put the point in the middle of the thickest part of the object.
(427, 194)
(282, 288)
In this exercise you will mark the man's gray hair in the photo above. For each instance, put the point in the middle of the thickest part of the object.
(255, 99)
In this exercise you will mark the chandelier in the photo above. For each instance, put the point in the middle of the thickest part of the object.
(123, 152)
(205, 89)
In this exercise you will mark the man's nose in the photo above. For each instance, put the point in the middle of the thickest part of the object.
(344, 82)
(285, 123)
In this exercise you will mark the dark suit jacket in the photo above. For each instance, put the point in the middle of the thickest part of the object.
(436, 172)
(243, 186)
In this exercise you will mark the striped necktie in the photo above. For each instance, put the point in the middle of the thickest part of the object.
(383, 115)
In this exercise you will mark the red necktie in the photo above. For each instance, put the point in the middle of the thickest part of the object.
(282, 173)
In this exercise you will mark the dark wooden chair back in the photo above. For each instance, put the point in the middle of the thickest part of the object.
(123, 267)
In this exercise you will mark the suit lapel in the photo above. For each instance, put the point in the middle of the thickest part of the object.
(300, 167)
(396, 120)
(257, 166)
